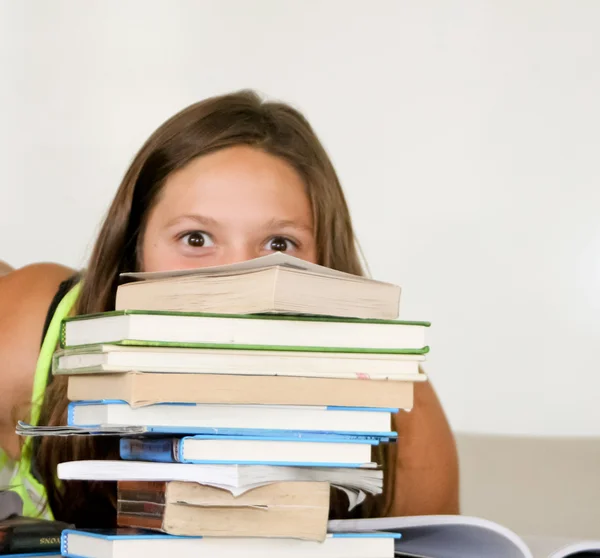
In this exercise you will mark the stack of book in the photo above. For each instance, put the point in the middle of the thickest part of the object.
(242, 393)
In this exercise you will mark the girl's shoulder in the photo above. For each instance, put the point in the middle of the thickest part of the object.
(25, 297)
(27, 292)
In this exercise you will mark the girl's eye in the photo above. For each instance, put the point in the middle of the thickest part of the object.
(280, 244)
(197, 239)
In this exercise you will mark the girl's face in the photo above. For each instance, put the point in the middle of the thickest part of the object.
(229, 206)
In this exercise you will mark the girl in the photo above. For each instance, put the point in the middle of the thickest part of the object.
(227, 179)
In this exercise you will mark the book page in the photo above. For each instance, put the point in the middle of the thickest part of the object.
(555, 547)
(443, 536)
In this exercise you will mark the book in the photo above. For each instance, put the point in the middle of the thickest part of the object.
(308, 451)
(454, 536)
(285, 509)
(35, 555)
(237, 479)
(269, 420)
(26, 429)
(30, 536)
(143, 544)
(95, 359)
(140, 389)
(277, 283)
(251, 332)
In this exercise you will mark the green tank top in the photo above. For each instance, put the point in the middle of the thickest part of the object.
(17, 476)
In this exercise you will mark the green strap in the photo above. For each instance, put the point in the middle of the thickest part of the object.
(23, 482)
(44, 362)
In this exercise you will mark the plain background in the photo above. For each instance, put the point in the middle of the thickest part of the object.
(466, 134)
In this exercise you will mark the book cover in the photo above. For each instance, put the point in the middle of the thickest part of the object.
(251, 332)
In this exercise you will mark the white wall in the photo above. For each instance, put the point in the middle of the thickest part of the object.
(467, 135)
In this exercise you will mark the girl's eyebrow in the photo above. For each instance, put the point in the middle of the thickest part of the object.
(287, 223)
(272, 224)
(200, 219)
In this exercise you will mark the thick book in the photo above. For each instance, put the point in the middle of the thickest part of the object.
(286, 509)
(250, 332)
(454, 536)
(277, 283)
(144, 544)
(237, 479)
(308, 451)
(25, 535)
(94, 359)
(268, 420)
(140, 389)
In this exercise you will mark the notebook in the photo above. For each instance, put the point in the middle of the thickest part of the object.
(454, 536)
(277, 283)
(120, 543)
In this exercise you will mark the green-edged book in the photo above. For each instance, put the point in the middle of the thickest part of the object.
(92, 359)
(247, 332)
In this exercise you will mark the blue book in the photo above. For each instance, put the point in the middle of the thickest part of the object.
(234, 420)
(131, 543)
(309, 451)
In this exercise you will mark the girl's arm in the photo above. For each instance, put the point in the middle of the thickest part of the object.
(426, 474)
(25, 296)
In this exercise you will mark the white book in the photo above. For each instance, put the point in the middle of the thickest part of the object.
(454, 536)
(237, 479)
(83, 544)
(215, 418)
(291, 333)
(311, 450)
(307, 364)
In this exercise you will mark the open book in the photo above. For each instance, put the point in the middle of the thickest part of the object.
(274, 284)
(455, 536)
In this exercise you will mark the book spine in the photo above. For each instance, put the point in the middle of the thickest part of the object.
(26, 535)
(29, 542)
(146, 509)
(153, 489)
(145, 449)
(134, 491)
(71, 414)
(140, 522)
(62, 341)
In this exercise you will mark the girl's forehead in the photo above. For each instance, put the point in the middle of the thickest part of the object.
(236, 183)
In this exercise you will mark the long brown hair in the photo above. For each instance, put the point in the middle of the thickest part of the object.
(241, 118)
